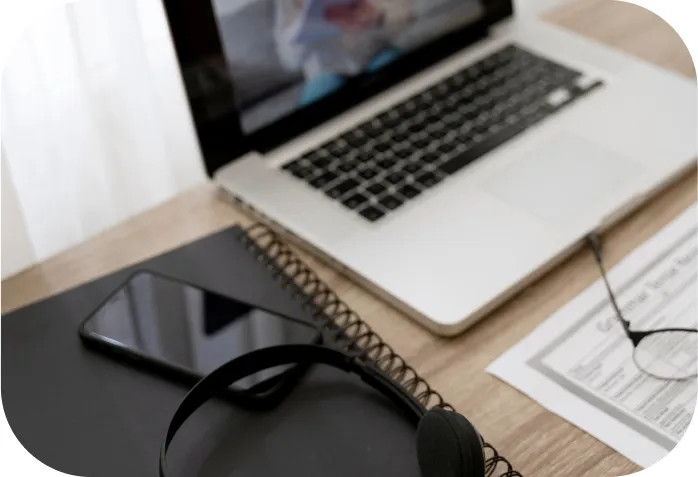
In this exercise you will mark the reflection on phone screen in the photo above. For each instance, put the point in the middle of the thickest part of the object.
(191, 328)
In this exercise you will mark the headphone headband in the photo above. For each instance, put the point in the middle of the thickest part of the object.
(259, 360)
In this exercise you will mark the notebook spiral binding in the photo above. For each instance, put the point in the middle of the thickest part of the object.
(348, 328)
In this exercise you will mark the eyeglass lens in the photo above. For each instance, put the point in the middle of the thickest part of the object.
(668, 354)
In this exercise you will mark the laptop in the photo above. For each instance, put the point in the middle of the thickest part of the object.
(444, 153)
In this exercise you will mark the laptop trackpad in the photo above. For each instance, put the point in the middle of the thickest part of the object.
(562, 178)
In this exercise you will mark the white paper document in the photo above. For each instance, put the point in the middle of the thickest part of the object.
(579, 363)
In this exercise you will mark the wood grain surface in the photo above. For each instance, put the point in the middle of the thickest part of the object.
(536, 441)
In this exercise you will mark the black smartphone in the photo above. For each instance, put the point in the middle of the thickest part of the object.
(185, 332)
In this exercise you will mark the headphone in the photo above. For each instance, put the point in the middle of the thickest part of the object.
(448, 445)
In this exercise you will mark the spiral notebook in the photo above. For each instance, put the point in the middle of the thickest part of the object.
(102, 418)
(328, 309)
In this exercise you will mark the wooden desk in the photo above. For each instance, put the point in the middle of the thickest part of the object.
(537, 442)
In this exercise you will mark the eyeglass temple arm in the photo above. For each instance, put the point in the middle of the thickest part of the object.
(595, 243)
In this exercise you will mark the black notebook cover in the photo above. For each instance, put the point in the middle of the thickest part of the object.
(86, 414)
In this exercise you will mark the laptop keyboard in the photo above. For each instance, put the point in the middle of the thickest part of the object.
(393, 158)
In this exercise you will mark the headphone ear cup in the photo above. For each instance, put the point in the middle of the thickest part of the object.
(448, 445)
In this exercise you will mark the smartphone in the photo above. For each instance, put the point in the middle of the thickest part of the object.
(185, 332)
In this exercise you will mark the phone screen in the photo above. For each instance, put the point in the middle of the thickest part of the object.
(190, 328)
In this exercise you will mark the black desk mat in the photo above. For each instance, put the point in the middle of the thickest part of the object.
(84, 414)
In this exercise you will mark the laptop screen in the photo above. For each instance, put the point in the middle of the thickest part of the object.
(286, 54)
(258, 73)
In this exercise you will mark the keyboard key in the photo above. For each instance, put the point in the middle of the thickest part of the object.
(446, 148)
(428, 179)
(586, 82)
(450, 104)
(512, 119)
(479, 128)
(411, 167)
(399, 137)
(479, 149)
(422, 142)
(395, 177)
(426, 97)
(355, 138)
(389, 119)
(342, 188)
(482, 118)
(499, 108)
(338, 148)
(465, 128)
(402, 111)
(440, 90)
(453, 120)
(303, 173)
(417, 127)
(468, 110)
(476, 138)
(373, 130)
(409, 191)
(558, 97)
(368, 173)
(297, 169)
(457, 80)
(561, 74)
(482, 84)
(495, 128)
(364, 156)
(320, 162)
(354, 201)
(319, 152)
(371, 213)
(391, 202)
(438, 133)
(430, 157)
(323, 179)
(434, 93)
(347, 165)
(404, 152)
(386, 163)
(382, 146)
(433, 117)
(297, 163)
(536, 116)
(544, 86)
(484, 101)
(467, 94)
(376, 189)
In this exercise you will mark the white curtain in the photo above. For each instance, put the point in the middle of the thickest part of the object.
(94, 126)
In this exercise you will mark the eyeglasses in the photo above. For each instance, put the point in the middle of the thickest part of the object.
(667, 353)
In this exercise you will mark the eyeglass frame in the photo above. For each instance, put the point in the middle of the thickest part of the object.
(634, 336)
